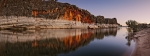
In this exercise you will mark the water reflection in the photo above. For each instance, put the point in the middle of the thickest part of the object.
(48, 42)
(129, 36)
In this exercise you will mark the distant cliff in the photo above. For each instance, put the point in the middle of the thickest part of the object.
(50, 9)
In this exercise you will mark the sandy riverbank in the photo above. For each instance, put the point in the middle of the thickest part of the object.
(142, 46)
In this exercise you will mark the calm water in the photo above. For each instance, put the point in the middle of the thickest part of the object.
(66, 42)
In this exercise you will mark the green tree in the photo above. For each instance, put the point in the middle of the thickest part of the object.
(132, 24)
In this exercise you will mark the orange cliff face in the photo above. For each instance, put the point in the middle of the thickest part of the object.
(71, 15)
(75, 14)
(46, 9)
(37, 12)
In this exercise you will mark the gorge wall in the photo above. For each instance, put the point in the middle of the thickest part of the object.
(50, 10)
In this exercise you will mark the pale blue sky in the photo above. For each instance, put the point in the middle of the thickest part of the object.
(123, 10)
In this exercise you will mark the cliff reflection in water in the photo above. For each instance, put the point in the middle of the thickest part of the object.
(48, 42)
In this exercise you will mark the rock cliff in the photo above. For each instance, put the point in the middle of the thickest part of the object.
(50, 10)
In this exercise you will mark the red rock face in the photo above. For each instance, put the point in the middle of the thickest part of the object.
(75, 14)
(37, 12)
(50, 9)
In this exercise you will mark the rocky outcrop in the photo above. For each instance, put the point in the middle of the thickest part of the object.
(102, 22)
(50, 10)
(100, 19)
(110, 21)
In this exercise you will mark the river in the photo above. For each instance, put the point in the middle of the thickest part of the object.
(66, 42)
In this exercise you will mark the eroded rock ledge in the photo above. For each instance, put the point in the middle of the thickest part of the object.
(34, 23)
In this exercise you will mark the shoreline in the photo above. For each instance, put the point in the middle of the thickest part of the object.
(142, 43)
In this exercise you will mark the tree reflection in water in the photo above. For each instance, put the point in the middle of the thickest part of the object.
(129, 36)
(48, 42)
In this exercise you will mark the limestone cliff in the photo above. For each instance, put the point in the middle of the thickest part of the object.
(49, 9)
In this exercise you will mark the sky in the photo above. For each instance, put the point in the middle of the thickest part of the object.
(123, 10)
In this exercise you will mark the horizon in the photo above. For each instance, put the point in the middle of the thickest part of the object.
(123, 10)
